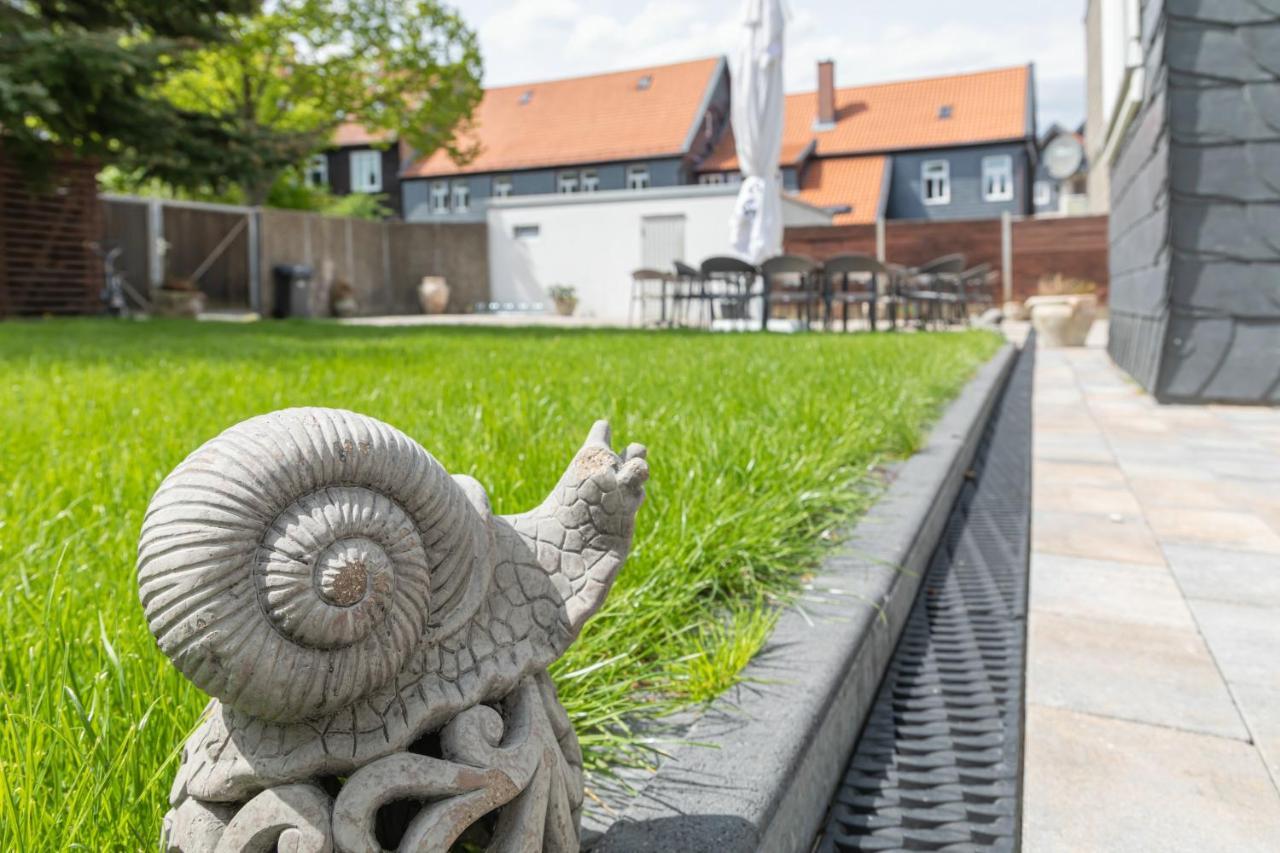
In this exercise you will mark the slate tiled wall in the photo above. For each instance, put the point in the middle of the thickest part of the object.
(1195, 225)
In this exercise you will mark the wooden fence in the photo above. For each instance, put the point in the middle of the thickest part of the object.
(230, 252)
(47, 263)
(382, 261)
(1071, 246)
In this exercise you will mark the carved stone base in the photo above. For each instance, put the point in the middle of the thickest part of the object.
(505, 778)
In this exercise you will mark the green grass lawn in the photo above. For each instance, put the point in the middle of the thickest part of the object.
(757, 445)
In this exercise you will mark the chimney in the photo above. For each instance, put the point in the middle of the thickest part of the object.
(826, 118)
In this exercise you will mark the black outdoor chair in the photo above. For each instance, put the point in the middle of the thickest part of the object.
(855, 280)
(648, 285)
(977, 287)
(690, 286)
(729, 282)
(790, 280)
(934, 288)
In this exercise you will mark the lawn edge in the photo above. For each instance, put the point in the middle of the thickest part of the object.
(759, 766)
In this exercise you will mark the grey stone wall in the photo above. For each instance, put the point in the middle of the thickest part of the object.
(1195, 195)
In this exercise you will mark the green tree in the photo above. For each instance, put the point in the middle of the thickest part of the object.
(80, 77)
(289, 75)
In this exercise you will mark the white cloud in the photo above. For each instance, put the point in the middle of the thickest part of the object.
(526, 40)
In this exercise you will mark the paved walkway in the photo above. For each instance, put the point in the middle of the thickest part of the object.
(1153, 682)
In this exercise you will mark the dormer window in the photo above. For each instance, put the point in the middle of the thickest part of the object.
(638, 177)
(944, 111)
(525, 97)
(644, 82)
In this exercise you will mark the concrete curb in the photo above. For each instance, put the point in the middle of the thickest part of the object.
(760, 765)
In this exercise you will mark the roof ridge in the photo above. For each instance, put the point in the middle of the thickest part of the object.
(914, 80)
(618, 73)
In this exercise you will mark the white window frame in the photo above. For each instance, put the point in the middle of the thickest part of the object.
(502, 186)
(440, 197)
(1043, 194)
(941, 173)
(638, 176)
(711, 178)
(371, 168)
(997, 177)
(461, 196)
(318, 171)
(567, 182)
(589, 180)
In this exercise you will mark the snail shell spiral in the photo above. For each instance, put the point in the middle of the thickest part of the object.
(291, 565)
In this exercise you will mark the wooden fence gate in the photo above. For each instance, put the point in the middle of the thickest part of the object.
(212, 245)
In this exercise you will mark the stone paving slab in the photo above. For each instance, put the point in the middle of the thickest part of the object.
(1153, 675)
(1105, 589)
(1127, 670)
(1099, 784)
(1216, 574)
(1097, 537)
(1245, 640)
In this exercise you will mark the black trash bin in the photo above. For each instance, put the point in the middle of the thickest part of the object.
(293, 290)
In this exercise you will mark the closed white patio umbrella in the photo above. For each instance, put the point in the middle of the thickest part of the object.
(755, 229)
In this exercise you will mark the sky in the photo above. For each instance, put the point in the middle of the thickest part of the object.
(870, 40)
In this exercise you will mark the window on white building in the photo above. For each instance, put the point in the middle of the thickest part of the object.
(1044, 193)
(440, 197)
(638, 177)
(590, 180)
(461, 196)
(997, 177)
(502, 186)
(318, 171)
(935, 181)
(525, 232)
(567, 182)
(366, 171)
(711, 178)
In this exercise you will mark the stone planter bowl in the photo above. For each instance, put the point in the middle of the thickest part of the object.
(1063, 321)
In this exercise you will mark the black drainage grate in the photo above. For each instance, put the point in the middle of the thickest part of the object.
(938, 764)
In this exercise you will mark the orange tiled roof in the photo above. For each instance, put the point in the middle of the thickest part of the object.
(986, 106)
(353, 133)
(854, 181)
(599, 118)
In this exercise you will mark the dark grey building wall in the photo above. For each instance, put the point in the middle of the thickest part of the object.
(907, 202)
(340, 173)
(416, 192)
(1195, 278)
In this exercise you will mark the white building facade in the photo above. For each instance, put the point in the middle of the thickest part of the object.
(593, 242)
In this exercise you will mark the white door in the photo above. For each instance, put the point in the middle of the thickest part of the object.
(661, 241)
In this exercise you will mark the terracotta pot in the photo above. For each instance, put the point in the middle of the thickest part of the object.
(176, 303)
(565, 306)
(433, 294)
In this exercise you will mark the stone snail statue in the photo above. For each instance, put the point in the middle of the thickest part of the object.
(376, 640)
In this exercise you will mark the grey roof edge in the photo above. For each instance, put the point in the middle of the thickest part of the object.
(757, 769)
(719, 71)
